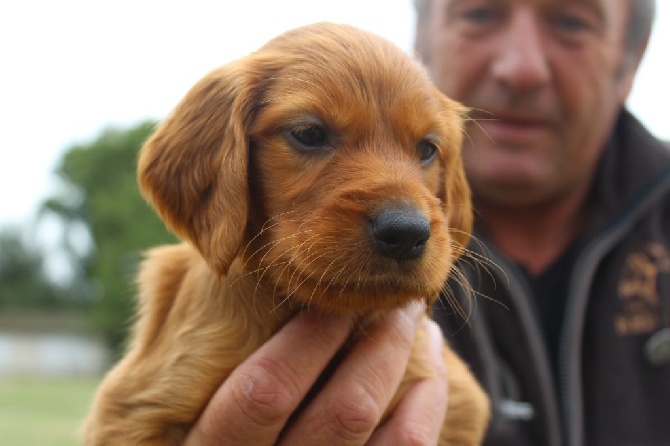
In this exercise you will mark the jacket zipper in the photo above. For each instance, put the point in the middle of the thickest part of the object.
(583, 272)
(521, 299)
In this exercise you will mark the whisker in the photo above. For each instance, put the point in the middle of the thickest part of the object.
(274, 262)
(457, 306)
(476, 122)
(266, 227)
(290, 294)
(291, 261)
(477, 262)
(263, 229)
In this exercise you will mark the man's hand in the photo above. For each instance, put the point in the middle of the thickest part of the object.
(253, 405)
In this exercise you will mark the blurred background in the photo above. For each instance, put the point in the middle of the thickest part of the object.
(82, 85)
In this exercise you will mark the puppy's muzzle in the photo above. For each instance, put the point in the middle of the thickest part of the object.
(400, 232)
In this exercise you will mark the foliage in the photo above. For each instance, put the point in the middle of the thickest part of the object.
(23, 284)
(101, 195)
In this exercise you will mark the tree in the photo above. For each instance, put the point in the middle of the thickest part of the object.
(100, 195)
(23, 284)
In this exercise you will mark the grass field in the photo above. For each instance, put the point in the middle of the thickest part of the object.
(36, 412)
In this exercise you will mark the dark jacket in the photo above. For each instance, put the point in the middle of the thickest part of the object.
(607, 381)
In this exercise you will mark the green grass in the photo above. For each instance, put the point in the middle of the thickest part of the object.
(35, 412)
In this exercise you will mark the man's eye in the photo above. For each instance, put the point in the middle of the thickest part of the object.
(571, 23)
(479, 15)
(574, 22)
(310, 136)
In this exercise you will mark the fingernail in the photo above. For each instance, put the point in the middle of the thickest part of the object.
(435, 336)
(416, 308)
(436, 344)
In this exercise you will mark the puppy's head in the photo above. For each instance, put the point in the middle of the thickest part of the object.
(328, 160)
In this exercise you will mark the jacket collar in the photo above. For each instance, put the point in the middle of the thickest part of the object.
(631, 162)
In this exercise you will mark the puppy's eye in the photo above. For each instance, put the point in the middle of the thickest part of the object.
(310, 136)
(426, 150)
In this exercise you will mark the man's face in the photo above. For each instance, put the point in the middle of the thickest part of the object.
(544, 80)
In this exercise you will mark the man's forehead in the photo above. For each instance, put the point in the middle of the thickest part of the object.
(610, 12)
(601, 4)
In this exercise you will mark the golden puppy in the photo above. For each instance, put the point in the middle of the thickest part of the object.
(321, 171)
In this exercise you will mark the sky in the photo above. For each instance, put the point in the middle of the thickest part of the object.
(71, 68)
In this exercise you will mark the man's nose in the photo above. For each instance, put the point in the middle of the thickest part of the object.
(521, 61)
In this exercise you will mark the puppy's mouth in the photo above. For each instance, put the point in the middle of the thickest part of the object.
(354, 258)
(384, 274)
(350, 292)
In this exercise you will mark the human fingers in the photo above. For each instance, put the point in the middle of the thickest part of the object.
(419, 416)
(254, 403)
(349, 407)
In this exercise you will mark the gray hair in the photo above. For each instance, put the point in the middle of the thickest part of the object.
(640, 22)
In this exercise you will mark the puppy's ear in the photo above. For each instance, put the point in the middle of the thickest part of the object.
(193, 169)
(455, 189)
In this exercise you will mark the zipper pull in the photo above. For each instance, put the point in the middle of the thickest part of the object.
(657, 347)
(516, 410)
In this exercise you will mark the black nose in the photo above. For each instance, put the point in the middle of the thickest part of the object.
(400, 232)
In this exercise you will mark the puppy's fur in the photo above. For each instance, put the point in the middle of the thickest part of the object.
(278, 171)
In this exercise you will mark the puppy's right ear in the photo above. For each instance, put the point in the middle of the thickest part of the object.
(455, 192)
(193, 169)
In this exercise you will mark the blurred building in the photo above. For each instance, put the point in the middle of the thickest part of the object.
(49, 346)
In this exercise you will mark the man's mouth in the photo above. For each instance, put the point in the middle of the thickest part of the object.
(512, 128)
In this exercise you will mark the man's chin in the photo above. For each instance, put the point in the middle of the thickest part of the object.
(513, 193)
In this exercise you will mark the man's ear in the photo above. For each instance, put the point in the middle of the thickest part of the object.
(630, 62)
(193, 169)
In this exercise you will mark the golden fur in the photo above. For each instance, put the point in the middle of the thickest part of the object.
(272, 226)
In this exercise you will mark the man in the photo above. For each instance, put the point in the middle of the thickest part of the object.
(572, 200)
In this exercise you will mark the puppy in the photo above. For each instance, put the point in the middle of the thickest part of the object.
(322, 171)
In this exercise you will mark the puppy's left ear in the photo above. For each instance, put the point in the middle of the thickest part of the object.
(193, 169)
(455, 190)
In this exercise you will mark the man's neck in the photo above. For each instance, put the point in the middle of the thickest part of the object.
(533, 236)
